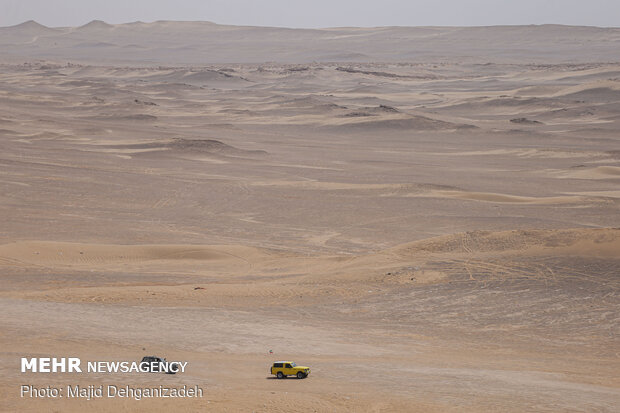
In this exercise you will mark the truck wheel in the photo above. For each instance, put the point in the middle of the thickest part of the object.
(300, 375)
(280, 375)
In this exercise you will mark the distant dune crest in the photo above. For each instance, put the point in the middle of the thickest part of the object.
(197, 42)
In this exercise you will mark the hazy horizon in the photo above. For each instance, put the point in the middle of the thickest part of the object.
(305, 28)
(319, 14)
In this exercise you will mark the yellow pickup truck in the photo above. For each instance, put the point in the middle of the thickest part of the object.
(282, 369)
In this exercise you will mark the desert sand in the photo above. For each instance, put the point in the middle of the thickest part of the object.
(428, 217)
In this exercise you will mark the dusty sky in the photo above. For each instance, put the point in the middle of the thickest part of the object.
(316, 13)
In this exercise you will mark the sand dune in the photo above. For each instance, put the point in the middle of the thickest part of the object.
(536, 153)
(191, 146)
(46, 253)
(442, 201)
(501, 198)
(604, 242)
(166, 42)
(408, 123)
(601, 91)
(471, 285)
(599, 172)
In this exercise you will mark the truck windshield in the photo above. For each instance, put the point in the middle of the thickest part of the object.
(293, 364)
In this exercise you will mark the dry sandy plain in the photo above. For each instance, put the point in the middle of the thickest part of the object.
(435, 231)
